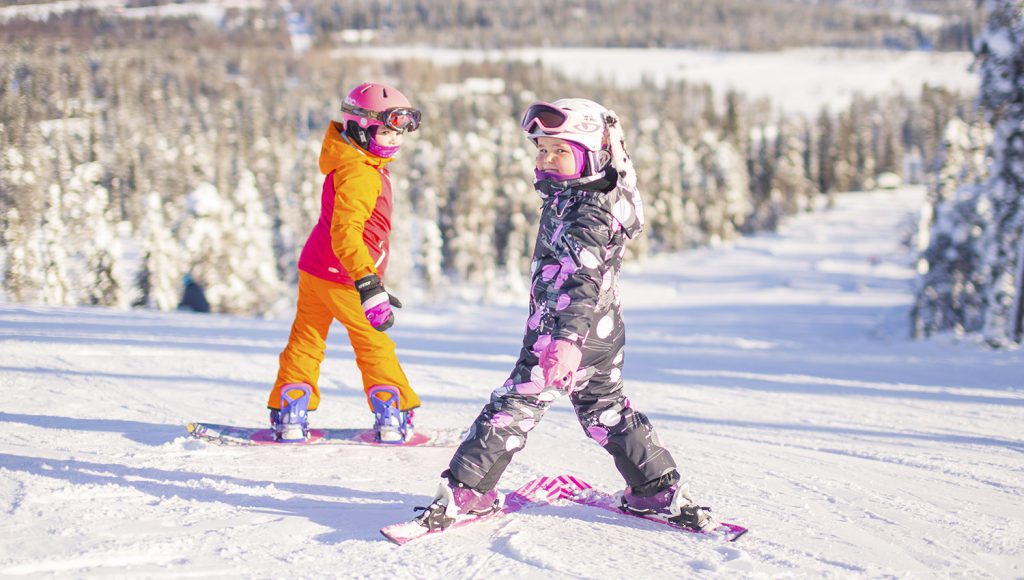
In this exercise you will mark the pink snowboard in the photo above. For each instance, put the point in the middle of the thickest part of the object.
(230, 435)
(544, 490)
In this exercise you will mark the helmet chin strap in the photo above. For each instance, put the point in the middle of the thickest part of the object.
(358, 134)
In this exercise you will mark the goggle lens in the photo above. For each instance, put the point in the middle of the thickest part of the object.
(547, 116)
(402, 119)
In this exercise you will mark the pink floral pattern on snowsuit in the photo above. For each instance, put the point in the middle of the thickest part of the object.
(574, 297)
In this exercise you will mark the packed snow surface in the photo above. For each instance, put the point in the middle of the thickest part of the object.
(778, 371)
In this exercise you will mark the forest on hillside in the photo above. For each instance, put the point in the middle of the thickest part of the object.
(746, 25)
(723, 24)
(138, 151)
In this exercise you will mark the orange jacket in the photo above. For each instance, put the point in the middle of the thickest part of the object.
(350, 240)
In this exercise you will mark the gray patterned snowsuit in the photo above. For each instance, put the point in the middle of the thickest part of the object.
(574, 296)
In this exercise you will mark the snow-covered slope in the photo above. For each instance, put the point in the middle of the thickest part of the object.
(777, 370)
(798, 81)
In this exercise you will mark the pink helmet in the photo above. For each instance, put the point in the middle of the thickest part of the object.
(375, 104)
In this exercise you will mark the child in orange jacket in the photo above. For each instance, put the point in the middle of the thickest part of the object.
(341, 270)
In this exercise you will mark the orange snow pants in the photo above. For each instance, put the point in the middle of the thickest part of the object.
(320, 304)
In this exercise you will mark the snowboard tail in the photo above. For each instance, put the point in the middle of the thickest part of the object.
(588, 496)
(543, 491)
(232, 435)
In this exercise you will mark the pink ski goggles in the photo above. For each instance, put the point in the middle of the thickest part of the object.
(548, 117)
(397, 118)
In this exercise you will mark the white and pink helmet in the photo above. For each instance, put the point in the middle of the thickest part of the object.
(579, 121)
(373, 105)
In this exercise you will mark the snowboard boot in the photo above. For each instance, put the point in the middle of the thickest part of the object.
(390, 425)
(453, 501)
(291, 422)
(673, 504)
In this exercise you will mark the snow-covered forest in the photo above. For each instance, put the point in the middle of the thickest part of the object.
(972, 264)
(141, 149)
(723, 24)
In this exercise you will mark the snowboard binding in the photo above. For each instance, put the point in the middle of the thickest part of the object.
(291, 422)
(453, 501)
(391, 425)
(672, 504)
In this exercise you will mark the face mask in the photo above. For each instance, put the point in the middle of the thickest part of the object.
(380, 150)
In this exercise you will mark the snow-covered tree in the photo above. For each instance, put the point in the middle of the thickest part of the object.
(1001, 51)
(56, 289)
(230, 248)
(723, 191)
(660, 159)
(103, 283)
(255, 285)
(517, 212)
(203, 230)
(951, 266)
(424, 182)
(160, 273)
(23, 260)
(973, 267)
(472, 194)
(790, 182)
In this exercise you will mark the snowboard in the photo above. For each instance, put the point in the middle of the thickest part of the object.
(232, 435)
(585, 494)
(546, 490)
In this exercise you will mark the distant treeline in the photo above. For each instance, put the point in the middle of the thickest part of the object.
(185, 147)
(718, 24)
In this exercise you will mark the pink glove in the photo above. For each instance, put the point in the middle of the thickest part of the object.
(377, 302)
(560, 361)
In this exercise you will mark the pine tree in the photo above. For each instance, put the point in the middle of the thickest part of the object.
(21, 220)
(203, 229)
(103, 284)
(826, 153)
(22, 260)
(1001, 51)
(248, 266)
(159, 278)
(517, 213)
(973, 268)
(790, 184)
(424, 169)
(56, 288)
(469, 241)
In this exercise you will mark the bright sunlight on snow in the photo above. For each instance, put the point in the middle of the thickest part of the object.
(777, 370)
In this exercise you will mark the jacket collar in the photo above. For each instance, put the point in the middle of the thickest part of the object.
(338, 150)
(600, 183)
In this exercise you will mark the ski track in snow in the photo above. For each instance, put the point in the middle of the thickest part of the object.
(776, 369)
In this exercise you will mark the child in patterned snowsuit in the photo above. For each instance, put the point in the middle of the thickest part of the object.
(575, 338)
(341, 269)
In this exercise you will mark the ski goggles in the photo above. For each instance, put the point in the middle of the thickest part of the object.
(397, 118)
(544, 115)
